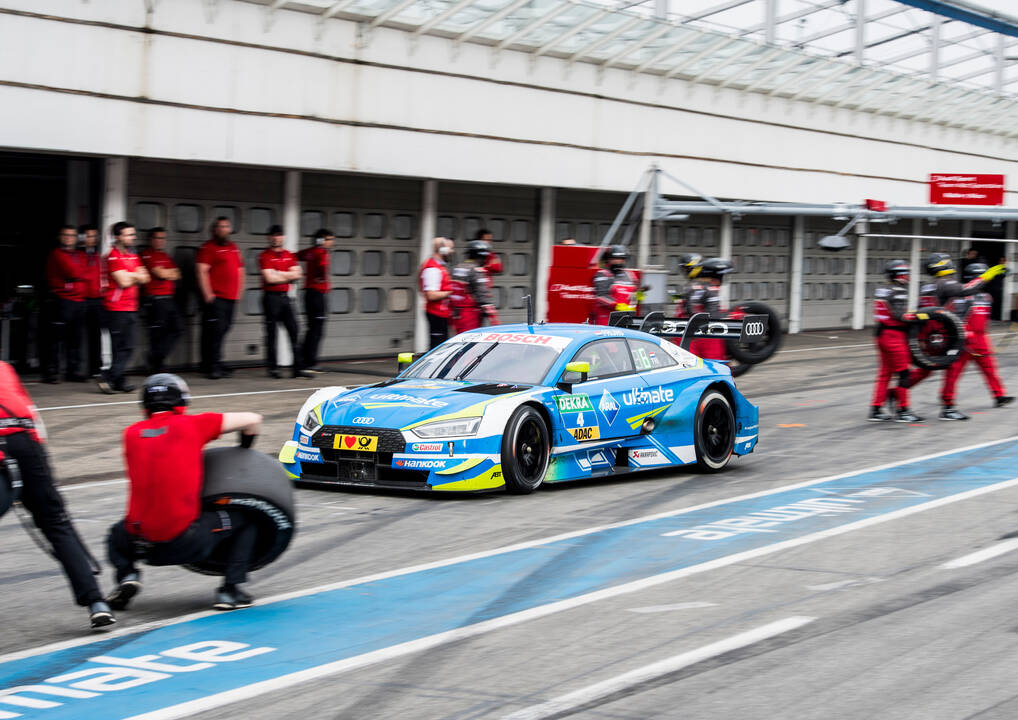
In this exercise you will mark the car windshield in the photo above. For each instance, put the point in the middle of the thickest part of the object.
(486, 362)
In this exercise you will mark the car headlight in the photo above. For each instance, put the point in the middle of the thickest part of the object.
(311, 423)
(448, 428)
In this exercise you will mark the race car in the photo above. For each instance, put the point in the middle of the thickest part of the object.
(515, 406)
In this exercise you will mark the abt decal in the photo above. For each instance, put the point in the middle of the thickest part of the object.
(646, 397)
(427, 447)
(107, 673)
(420, 464)
(573, 403)
(585, 433)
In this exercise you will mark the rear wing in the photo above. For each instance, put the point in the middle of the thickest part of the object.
(752, 328)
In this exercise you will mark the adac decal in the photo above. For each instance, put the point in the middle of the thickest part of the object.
(362, 443)
(608, 406)
(428, 447)
(585, 433)
(420, 464)
(638, 396)
(401, 399)
(573, 403)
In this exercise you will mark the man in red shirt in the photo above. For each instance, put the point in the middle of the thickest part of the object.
(21, 440)
(436, 285)
(220, 272)
(279, 268)
(124, 274)
(89, 235)
(65, 273)
(164, 323)
(165, 522)
(316, 294)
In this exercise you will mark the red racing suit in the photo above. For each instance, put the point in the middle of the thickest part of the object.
(471, 297)
(975, 310)
(890, 305)
(614, 289)
(700, 297)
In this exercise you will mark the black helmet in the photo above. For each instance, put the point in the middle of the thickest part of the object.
(615, 252)
(478, 250)
(691, 264)
(973, 270)
(716, 268)
(164, 391)
(895, 269)
(939, 264)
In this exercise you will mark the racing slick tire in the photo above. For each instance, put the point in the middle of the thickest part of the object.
(714, 431)
(243, 479)
(525, 451)
(937, 342)
(756, 352)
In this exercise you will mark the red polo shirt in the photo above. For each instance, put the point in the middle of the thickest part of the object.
(158, 259)
(93, 274)
(15, 402)
(163, 455)
(316, 271)
(65, 272)
(116, 298)
(281, 260)
(224, 268)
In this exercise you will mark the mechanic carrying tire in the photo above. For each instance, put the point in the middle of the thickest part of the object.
(890, 306)
(23, 462)
(166, 523)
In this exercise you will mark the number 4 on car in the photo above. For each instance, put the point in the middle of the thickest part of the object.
(516, 406)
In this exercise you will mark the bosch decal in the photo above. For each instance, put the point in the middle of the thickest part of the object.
(608, 406)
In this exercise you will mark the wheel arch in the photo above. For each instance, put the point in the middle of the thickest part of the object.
(726, 390)
(546, 416)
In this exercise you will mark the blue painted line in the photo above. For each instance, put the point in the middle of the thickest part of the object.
(310, 631)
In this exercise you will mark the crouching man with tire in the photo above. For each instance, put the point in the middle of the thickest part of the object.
(166, 523)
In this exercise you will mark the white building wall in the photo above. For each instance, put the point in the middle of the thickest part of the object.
(218, 82)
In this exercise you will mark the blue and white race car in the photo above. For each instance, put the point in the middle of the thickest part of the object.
(516, 405)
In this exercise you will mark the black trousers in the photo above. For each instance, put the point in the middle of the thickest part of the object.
(44, 502)
(165, 327)
(316, 308)
(277, 308)
(211, 529)
(93, 334)
(121, 326)
(438, 330)
(216, 320)
(66, 320)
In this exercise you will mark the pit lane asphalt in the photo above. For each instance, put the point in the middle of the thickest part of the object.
(895, 634)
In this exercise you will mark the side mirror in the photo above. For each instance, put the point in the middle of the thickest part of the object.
(583, 368)
(404, 360)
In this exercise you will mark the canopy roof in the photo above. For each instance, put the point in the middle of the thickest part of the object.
(939, 61)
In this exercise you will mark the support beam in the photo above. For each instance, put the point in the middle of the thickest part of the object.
(764, 58)
(860, 31)
(795, 284)
(913, 261)
(770, 22)
(794, 78)
(805, 89)
(646, 221)
(336, 8)
(717, 9)
(545, 243)
(390, 13)
(291, 241)
(1008, 301)
(429, 221)
(725, 250)
(551, 44)
(114, 206)
(998, 63)
(859, 293)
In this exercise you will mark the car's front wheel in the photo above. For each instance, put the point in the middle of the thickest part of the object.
(525, 451)
(714, 431)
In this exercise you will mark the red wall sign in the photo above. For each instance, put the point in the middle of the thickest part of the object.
(961, 189)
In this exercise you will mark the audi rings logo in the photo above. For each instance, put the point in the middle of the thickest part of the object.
(363, 421)
(754, 328)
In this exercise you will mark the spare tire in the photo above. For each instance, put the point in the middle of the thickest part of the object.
(241, 479)
(756, 352)
(936, 341)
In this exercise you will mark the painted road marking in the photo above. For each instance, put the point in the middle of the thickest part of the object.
(669, 608)
(357, 623)
(858, 345)
(981, 555)
(571, 702)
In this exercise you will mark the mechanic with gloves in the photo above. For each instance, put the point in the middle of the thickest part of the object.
(704, 296)
(22, 453)
(165, 523)
(471, 290)
(958, 297)
(614, 285)
(890, 310)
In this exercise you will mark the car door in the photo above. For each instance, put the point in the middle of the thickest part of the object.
(660, 372)
(603, 407)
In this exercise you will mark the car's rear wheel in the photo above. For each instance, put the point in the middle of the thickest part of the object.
(525, 451)
(714, 431)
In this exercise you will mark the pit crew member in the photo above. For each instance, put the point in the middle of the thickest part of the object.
(704, 295)
(614, 285)
(890, 310)
(471, 290)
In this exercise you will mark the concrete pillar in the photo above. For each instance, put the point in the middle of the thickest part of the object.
(291, 233)
(913, 261)
(545, 242)
(429, 221)
(114, 198)
(795, 285)
(859, 295)
(79, 194)
(725, 251)
(646, 222)
(1010, 287)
